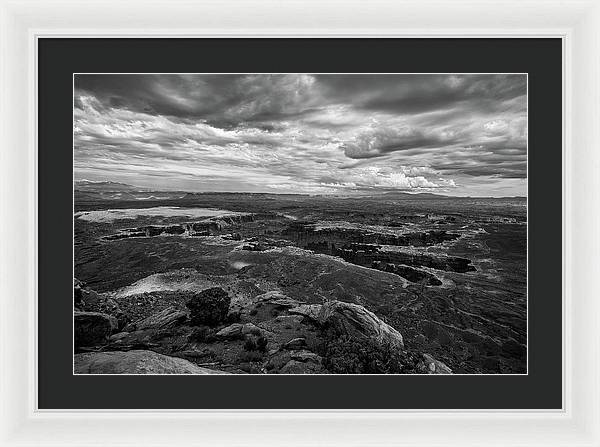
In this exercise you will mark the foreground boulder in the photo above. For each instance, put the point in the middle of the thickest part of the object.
(92, 328)
(135, 362)
(295, 343)
(355, 321)
(209, 307)
(88, 300)
(352, 320)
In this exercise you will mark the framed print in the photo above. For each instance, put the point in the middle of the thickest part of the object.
(359, 233)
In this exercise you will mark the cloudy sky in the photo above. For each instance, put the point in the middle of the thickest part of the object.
(304, 133)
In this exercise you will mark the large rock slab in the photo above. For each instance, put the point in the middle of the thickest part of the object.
(277, 298)
(238, 330)
(135, 362)
(305, 356)
(298, 367)
(231, 332)
(92, 328)
(310, 311)
(353, 320)
(165, 318)
(430, 365)
(295, 343)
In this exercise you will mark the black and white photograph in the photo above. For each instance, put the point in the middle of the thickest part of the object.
(297, 223)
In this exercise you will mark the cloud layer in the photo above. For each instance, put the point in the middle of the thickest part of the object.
(453, 134)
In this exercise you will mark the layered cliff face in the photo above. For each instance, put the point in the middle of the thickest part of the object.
(378, 248)
(382, 250)
(205, 227)
(306, 233)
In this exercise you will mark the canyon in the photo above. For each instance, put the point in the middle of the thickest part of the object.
(447, 274)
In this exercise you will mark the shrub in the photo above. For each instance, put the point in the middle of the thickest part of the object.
(256, 343)
(202, 334)
(209, 307)
(255, 331)
(346, 355)
(261, 343)
(250, 356)
(250, 344)
(233, 317)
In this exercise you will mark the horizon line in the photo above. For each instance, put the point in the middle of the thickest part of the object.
(357, 193)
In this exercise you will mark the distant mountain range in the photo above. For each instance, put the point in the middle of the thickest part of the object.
(428, 195)
(116, 190)
(91, 190)
(408, 195)
(90, 185)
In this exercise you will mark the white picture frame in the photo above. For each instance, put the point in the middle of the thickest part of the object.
(576, 22)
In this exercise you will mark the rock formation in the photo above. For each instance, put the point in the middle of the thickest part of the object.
(429, 365)
(352, 320)
(92, 328)
(135, 362)
(163, 319)
(205, 227)
(306, 233)
(268, 332)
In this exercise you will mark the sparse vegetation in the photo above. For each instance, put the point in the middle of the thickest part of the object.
(250, 356)
(345, 355)
(202, 334)
(261, 344)
(255, 331)
(233, 317)
(256, 344)
(250, 344)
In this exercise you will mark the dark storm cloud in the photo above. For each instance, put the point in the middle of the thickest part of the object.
(419, 93)
(223, 100)
(381, 140)
(272, 97)
(468, 110)
(305, 133)
(176, 95)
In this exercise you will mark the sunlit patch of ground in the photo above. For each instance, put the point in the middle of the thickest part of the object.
(184, 279)
(238, 265)
(164, 211)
